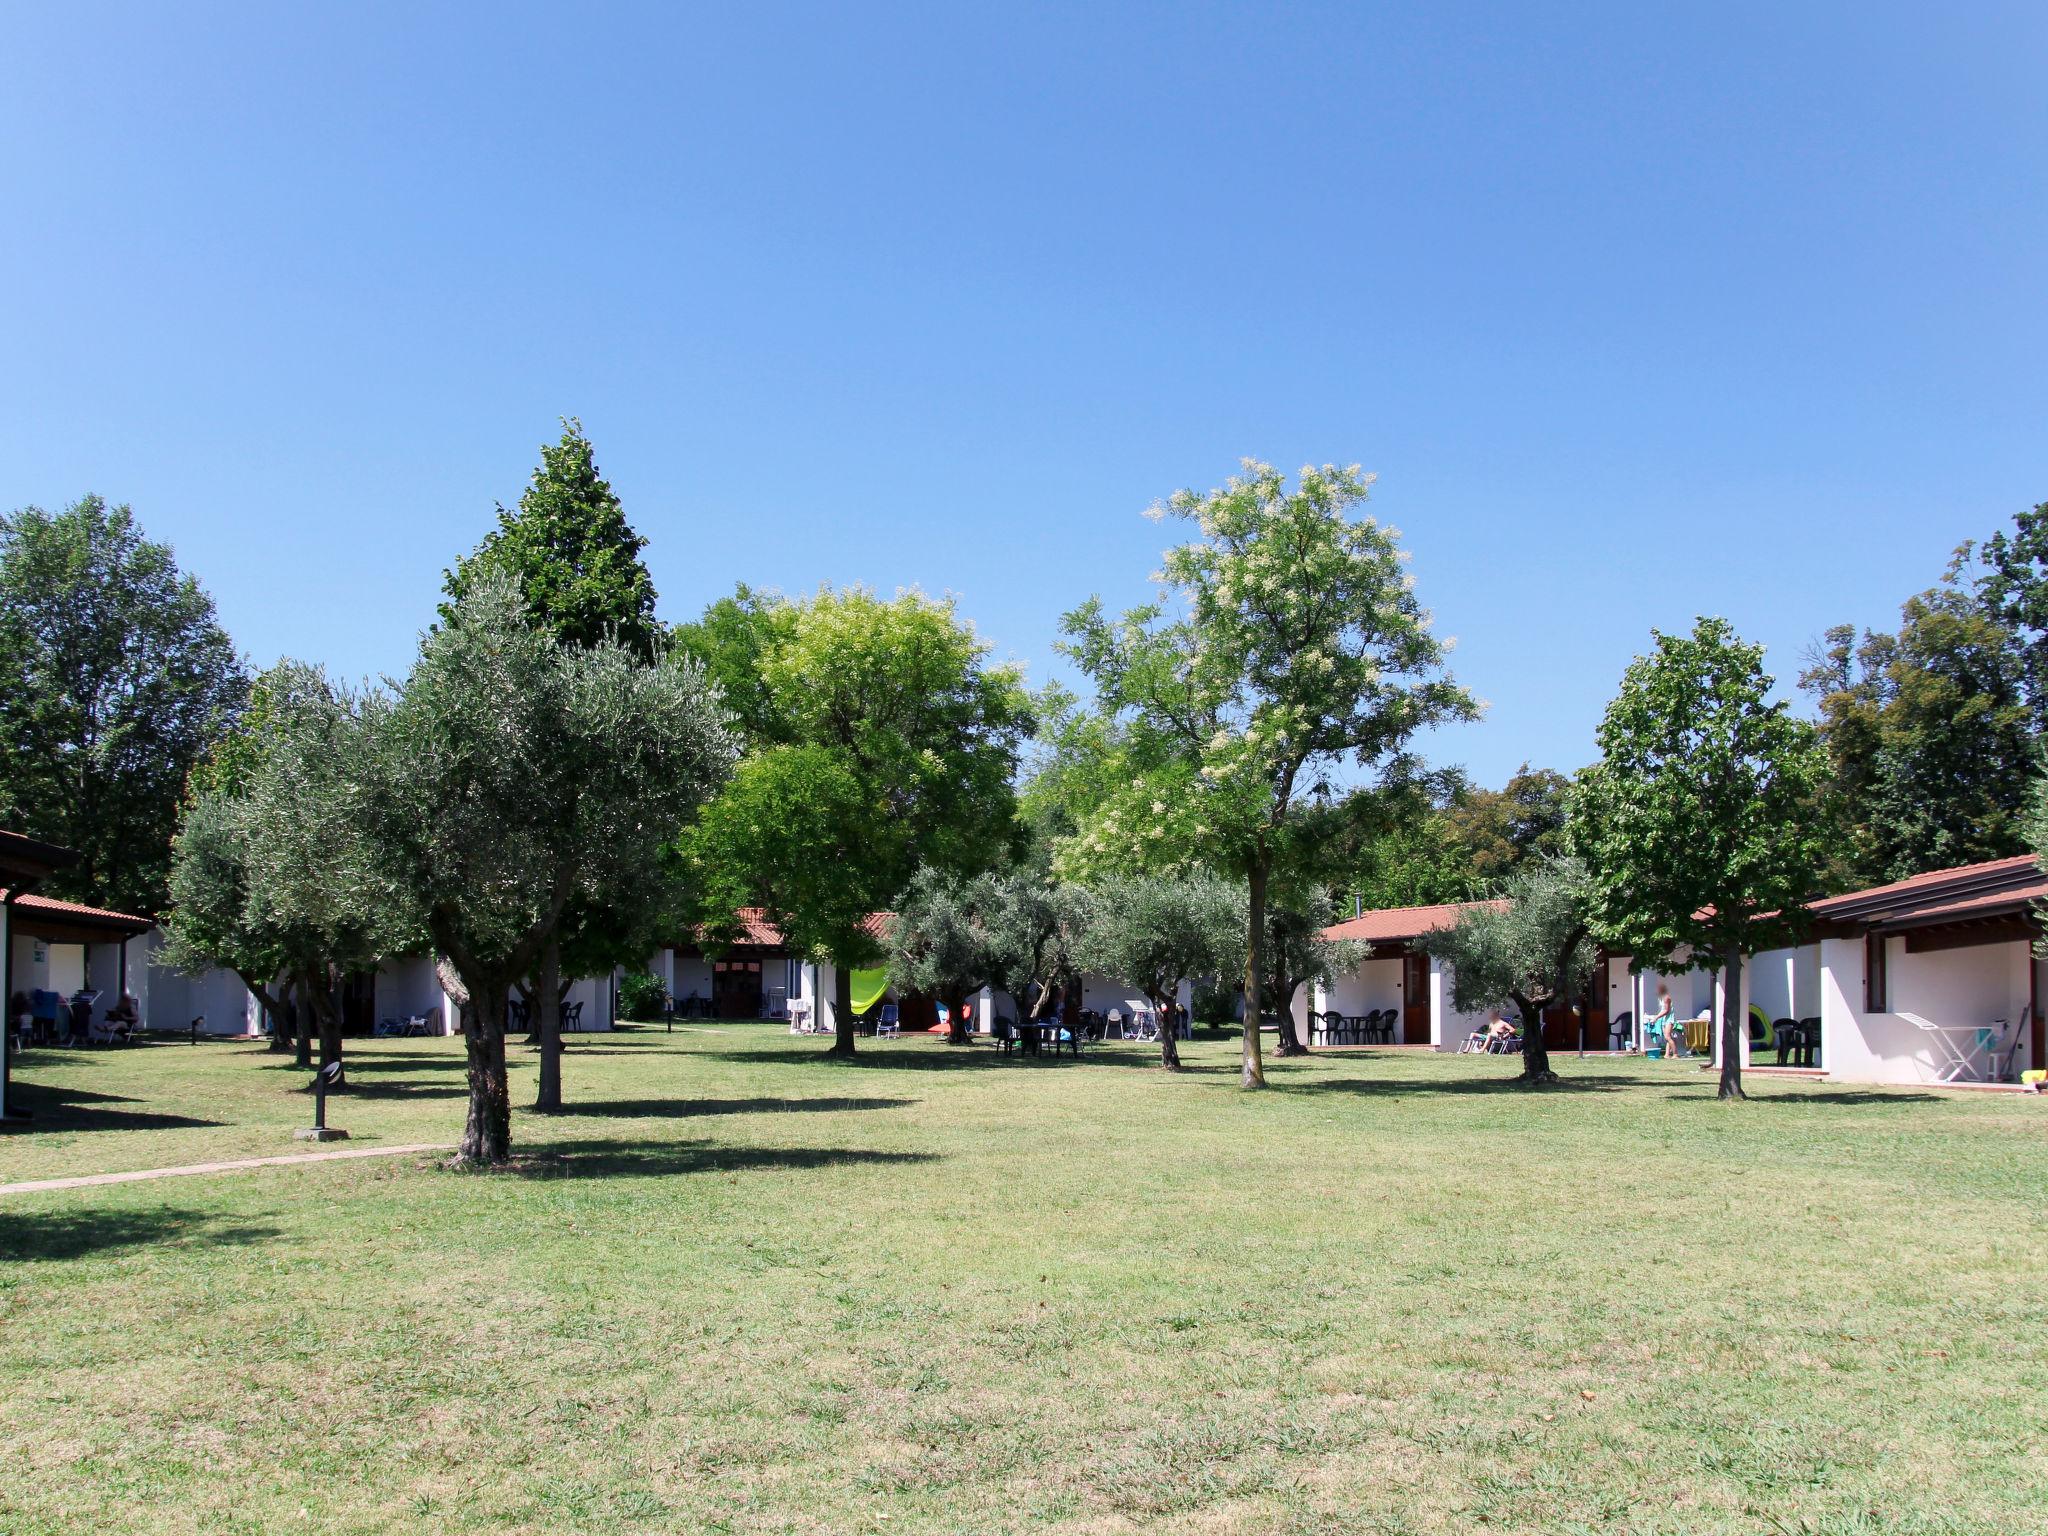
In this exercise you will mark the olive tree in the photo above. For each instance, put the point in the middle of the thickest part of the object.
(270, 875)
(506, 753)
(1156, 932)
(1533, 947)
(1289, 642)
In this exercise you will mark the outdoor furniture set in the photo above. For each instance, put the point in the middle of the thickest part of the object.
(1335, 1028)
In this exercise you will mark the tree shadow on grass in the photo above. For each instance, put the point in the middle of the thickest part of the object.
(79, 1109)
(1854, 1096)
(30, 1235)
(652, 1159)
(689, 1109)
(968, 1058)
(1480, 1087)
(364, 1086)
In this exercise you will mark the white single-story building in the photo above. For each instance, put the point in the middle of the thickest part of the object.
(1933, 979)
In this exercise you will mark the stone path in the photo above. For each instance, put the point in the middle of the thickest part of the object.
(90, 1179)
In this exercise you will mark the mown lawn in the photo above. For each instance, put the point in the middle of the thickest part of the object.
(743, 1288)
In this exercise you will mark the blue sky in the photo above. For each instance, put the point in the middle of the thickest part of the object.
(1637, 312)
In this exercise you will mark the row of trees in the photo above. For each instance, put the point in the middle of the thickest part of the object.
(562, 781)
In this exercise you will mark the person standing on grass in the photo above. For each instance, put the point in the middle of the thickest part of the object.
(1660, 1022)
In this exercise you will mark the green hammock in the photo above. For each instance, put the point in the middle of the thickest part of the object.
(868, 987)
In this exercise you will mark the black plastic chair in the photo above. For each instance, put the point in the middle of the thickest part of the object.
(1621, 1032)
(1332, 1023)
(1809, 1042)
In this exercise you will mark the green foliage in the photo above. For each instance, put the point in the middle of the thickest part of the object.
(115, 675)
(1533, 946)
(507, 752)
(271, 876)
(1213, 1003)
(2014, 587)
(1925, 731)
(794, 831)
(943, 941)
(733, 641)
(1156, 931)
(883, 742)
(515, 776)
(1296, 644)
(1501, 830)
(641, 995)
(571, 552)
(1701, 817)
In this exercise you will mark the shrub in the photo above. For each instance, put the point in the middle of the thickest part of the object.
(641, 995)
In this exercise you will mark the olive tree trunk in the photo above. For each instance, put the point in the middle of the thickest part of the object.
(1731, 1026)
(487, 1137)
(1169, 1041)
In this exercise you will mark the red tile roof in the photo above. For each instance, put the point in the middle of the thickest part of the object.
(1994, 888)
(50, 907)
(1392, 924)
(754, 929)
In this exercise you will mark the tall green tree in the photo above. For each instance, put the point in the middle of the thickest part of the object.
(575, 562)
(507, 752)
(1522, 822)
(571, 552)
(1929, 734)
(1289, 643)
(1699, 821)
(115, 674)
(884, 742)
(2014, 585)
(1533, 947)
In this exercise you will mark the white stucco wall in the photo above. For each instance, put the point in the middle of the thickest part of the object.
(1448, 1028)
(1971, 986)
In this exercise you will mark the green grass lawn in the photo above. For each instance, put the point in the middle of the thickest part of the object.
(745, 1288)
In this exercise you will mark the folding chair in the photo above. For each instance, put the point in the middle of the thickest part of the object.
(888, 1023)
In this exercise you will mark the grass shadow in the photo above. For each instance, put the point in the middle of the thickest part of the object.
(77, 1109)
(1409, 1087)
(690, 1109)
(653, 1159)
(58, 1235)
(1859, 1096)
(979, 1057)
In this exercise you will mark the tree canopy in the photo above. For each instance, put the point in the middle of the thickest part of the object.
(115, 675)
(1294, 644)
(1532, 945)
(1700, 819)
(883, 741)
(568, 547)
(506, 753)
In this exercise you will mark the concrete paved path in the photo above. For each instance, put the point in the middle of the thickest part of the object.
(87, 1180)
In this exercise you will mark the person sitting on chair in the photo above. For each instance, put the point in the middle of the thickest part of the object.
(125, 1015)
(1498, 1031)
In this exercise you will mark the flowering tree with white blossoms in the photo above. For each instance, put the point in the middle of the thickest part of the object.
(1287, 640)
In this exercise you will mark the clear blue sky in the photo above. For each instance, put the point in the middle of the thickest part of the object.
(1636, 314)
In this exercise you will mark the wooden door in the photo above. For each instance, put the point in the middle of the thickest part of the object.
(736, 989)
(358, 1004)
(1415, 999)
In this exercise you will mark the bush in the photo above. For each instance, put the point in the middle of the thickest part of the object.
(641, 996)
(1214, 1003)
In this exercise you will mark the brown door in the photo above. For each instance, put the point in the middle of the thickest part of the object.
(736, 988)
(1415, 999)
(358, 1002)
